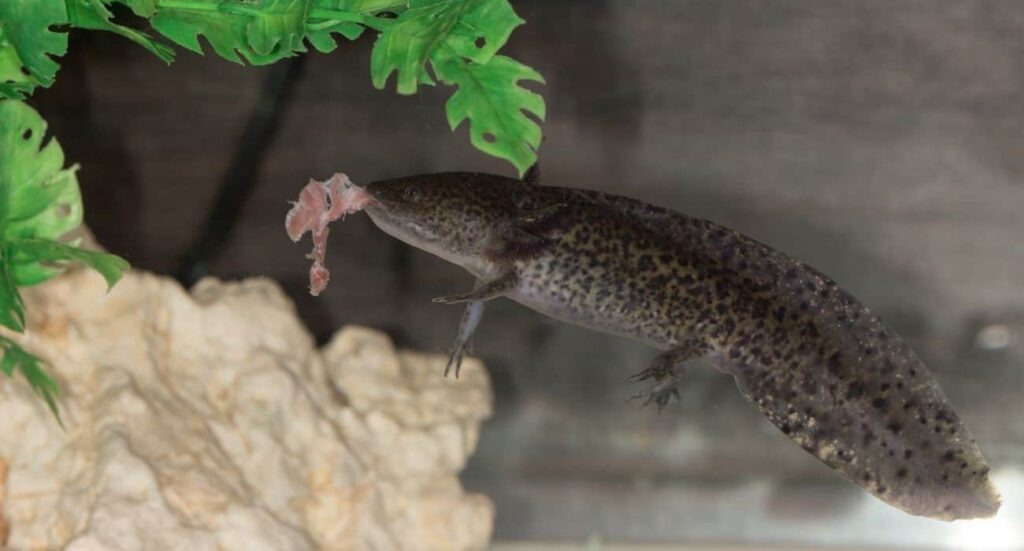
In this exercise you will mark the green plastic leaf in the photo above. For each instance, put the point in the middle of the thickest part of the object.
(30, 179)
(16, 358)
(322, 20)
(366, 7)
(277, 26)
(27, 44)
(111, 267)
(39, 203)
(227, 32)
(12, 310)
(483, 29)
(38, 197)
(474, 29)
(490, 97)
(142, 8)
(93, 14)
(8, 364)
(320, 33)
(347, 18)
(460, 38)
(406, 45)
(258, 32)
(14, 82)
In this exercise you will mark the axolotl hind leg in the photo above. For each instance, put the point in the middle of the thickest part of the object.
(664, 372)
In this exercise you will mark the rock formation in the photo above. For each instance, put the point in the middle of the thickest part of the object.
(211, 421)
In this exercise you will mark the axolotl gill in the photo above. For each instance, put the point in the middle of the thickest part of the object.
(816, 362)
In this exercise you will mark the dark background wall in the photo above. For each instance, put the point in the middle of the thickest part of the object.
(878, 140)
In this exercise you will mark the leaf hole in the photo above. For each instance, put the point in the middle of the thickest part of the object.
(27, 134)
(489, 138)
(481, 42)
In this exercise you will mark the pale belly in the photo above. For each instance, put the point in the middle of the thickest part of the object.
(570, 307)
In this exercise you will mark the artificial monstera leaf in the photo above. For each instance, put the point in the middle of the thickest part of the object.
(15, 82)
(474, 29)
(322, 19)
(277, 26)
(321, 25)
(405, 46)
(28, 44)
(141, 8)
(490, 97)
(366, 7)
(39, 199)
(223, 26)
(483, 29)
(54, 252)
(258, 32)
(320, 33)
(93, 14)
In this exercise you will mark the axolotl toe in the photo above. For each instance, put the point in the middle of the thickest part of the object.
(817, 363)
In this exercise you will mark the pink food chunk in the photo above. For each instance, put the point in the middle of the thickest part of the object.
(319, 204)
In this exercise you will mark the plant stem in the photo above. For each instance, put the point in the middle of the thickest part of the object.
(375, 23)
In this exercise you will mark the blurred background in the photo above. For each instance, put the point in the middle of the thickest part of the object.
(879, 141)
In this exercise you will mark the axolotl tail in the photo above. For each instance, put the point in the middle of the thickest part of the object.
(861, 401)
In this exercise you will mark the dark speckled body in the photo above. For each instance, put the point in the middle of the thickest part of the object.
(816, 362)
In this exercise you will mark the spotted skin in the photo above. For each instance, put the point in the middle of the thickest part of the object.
(816, 362)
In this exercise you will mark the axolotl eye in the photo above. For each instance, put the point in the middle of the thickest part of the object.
(412, 194)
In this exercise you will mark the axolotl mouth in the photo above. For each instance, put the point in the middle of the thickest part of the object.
(319, 204)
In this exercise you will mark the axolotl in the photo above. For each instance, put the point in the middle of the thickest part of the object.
(816, 362)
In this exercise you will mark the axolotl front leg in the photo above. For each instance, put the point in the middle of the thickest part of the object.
(482, 292)
(470, 321)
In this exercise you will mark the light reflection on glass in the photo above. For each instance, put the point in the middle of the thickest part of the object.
(1003, 532)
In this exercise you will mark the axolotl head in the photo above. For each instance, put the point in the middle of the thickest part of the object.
(452, 215)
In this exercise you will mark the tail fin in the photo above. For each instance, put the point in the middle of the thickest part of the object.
(880, 420)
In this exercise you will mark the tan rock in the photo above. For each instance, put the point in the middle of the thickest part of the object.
(211, 421)
(3, 486)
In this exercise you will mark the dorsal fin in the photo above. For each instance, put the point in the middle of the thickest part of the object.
(532, 174)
